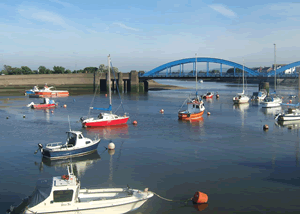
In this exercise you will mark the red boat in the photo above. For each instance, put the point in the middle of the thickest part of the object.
(208, 95)
(46, 104)
(105, 119)
(194, 111)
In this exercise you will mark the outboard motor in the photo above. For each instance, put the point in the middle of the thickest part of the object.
(40, 148)
(82, 119)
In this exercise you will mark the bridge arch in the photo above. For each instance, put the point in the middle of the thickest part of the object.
(199, 59)
(282, 69)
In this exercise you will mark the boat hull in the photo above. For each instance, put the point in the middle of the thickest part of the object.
(288, 117)
(98, 123)
(239, 101)
(187, 116)
(40, 106)
(53, 93)
(269, 104)
(69, 152)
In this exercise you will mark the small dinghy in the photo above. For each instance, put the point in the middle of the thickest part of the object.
(32, 91)
(208, 95)
(76, 145)
(62, 194)
(46, 104)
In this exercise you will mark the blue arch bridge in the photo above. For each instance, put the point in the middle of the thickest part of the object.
(165, 71)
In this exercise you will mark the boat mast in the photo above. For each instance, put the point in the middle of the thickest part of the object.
(109, 87)
(275, 67)
(196, 74)
(243, 76)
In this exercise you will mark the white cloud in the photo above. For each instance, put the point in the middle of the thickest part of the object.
(125, 26)
(223, 10)
(65, 4)
(42, 15)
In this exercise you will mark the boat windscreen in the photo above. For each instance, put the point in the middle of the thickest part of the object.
(41, 192)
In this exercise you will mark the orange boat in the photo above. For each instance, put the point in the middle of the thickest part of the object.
(47, 92)
(194, 111)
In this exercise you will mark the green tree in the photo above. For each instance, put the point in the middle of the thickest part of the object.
(237, 71)
(58, 70)
(68, 71)
(90, 69)
(102, 68)
(8, 69)
(26, 70)
(17, 71)
(42, 70)
(48, 71)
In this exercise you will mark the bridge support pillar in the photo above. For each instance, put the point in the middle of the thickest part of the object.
(120, 82)
(220, 69)
(134, 81)
(146, 86)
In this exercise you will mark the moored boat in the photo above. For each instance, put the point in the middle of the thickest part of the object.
(76, 145)
(105, 119)
(271, 101)
(63, 194)
(195, 110)
(32, 91)
(241, 97)
(46, 104)
(259, 96)
(208, 95)
(48, 92)
(291, 114)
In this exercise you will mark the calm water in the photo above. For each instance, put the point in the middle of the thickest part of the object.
(227, 155)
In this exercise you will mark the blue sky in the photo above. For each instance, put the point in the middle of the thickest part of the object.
(141, 35)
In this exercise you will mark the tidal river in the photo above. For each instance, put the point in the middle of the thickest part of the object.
(226, 155)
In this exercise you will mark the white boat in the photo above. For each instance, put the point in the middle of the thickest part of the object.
(200, 81)
(76, 145)
(32, 91)
(241, 97)
(259, 96)
(271, 101)
(62, 194)
(291, 114)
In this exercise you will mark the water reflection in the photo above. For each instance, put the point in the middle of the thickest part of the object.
(289, 124)
(271, 111)
(79, 164)
(194, 122)
(241, 107)
(110, 132)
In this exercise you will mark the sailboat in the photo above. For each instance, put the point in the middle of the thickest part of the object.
(272, 100)
(195, 106)
(241, 97)
(105, 119)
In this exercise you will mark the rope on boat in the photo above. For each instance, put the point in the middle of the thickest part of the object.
(94, 95)
(186, 200)
(184, 103)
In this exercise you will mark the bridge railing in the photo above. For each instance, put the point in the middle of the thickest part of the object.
(217, 75)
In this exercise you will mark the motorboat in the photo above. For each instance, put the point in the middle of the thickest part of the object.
(76, 145)
(259, 96)
(271, 101)
(48, 92)
(208, 95)
(291, 114)
(195, 110)
(32, 91)
(47, 103)
(105, 119)
(63, 194)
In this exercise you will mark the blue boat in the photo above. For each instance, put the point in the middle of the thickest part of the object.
(32, 91)
(76, 145)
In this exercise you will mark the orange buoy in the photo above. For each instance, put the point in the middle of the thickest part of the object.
(65, 106)
(162, 111)
(287, 103)
(200, 198)
(134, 122)
(52, 111)
(266, 127)
(208, 113)
(105, 95)
(291, 101)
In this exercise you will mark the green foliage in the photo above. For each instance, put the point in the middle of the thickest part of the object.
(237, 71)
(214, 71)
(42, 70)
(58, 70)
(68, 71)
(90, 69)
(26, 70)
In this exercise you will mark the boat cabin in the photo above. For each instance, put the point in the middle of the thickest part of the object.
(75, 138)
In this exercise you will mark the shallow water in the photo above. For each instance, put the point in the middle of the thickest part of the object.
(227, 155)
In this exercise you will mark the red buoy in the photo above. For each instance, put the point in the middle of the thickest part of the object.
(134, 122)
(105, 95)
(266, 127)
(200, 198)
(162, 111)
(291, 101)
